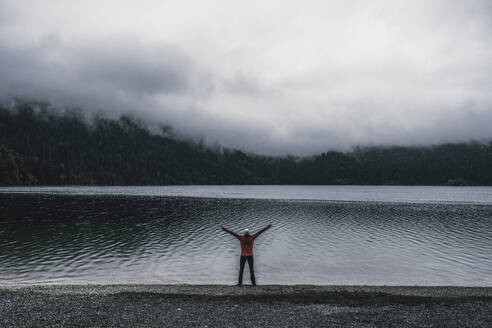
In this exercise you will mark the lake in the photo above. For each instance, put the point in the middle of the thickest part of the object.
(377, 235)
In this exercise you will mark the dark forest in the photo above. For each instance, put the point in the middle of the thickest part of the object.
(43, 146)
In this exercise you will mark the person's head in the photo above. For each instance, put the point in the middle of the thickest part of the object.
(246, 232)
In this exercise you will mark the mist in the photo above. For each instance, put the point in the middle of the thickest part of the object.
(275, 78)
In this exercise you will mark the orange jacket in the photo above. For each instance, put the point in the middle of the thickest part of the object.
(246, 241)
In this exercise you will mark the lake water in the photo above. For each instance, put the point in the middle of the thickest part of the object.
(320, 235)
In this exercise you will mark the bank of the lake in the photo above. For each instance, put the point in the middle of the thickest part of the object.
(229, 306)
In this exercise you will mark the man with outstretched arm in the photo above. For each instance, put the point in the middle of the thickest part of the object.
(246, 252)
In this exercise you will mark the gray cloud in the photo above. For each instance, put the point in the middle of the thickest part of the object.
(301, 79)
(134, 68)
(127, 67)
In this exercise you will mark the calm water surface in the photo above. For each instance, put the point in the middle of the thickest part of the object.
(320, 235)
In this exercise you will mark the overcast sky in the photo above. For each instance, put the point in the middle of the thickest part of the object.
(272, 77)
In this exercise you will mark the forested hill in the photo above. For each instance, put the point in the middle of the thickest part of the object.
(43, 147)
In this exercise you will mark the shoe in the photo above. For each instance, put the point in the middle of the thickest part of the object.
(239, 285)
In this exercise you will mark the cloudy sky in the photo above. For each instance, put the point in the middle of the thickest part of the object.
(271, 76)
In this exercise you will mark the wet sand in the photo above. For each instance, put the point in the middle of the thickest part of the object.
(230, 306)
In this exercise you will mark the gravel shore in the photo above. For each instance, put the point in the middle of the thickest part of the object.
(228, 306)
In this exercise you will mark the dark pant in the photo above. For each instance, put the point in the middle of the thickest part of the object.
(251, 269)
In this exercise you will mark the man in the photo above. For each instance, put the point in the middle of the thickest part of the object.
(246, 252)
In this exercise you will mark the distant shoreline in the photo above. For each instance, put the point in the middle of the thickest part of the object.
(40, 145)
(225, 306)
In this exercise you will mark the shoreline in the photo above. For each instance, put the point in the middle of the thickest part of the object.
(231, 290)
(226, 306)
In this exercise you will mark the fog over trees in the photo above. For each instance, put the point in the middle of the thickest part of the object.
(43, 146)
(268, 77)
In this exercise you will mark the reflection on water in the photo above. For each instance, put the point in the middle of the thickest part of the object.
(137, 239)
(399, 194)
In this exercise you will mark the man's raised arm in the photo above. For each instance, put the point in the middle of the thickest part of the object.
(231, 232)
(261, 231)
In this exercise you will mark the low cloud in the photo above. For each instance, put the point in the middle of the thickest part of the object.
(106, 68)
(310, 78)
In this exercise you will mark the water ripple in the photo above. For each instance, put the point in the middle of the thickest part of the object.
(101, 239)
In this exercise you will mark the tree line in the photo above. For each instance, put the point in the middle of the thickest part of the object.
(43, 146)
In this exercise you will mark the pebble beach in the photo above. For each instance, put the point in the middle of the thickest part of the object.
(231, 306)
